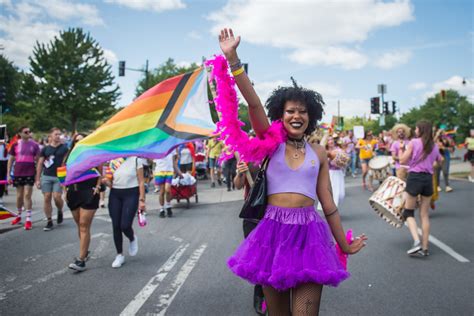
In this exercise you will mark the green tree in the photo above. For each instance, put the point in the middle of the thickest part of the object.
(166, 70)
(74, 82)
(10, 82)
(455, 112)
(18, 109)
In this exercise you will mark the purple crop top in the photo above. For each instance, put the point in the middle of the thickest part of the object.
(281, 178)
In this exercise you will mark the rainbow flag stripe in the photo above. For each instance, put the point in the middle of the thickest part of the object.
(5, 213)
(62, 173)
(173, 112)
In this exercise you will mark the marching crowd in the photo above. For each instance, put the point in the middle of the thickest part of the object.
(289, 252)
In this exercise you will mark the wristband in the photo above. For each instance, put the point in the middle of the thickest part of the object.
(142, 200)
(237, 72)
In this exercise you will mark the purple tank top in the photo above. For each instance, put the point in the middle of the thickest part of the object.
(282, 179)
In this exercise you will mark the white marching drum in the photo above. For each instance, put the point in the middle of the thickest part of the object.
(380, 167)
(387, 201)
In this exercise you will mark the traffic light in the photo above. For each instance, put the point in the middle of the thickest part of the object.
(121, 68)
(443, 95)
(375, 105)
(385, 108)
(394, 107)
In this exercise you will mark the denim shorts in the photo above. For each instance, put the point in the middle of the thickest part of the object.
(50, 184)
(214, 163)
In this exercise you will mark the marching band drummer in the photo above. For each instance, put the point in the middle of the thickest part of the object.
(420, 155)
(401, 135)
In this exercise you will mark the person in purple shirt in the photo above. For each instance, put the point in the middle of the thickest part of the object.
(350, 142)
(24, 153)
(401, 135)
(420, 155)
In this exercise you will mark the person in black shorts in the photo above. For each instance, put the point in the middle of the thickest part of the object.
(420, 155)
(23, 156)
(83, 200)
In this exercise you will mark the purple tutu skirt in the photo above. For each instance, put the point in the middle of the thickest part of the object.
(290, 246)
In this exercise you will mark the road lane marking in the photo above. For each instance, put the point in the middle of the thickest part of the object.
(176, 238)
(167, 298)
(134, 306)
(450, 251)
(61, 248)
(99, 249)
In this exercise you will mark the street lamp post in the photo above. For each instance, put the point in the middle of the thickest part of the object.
(382, 89)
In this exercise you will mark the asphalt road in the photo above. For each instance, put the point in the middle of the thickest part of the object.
(181, 268)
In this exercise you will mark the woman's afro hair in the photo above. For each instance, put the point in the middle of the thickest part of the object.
(309, 98)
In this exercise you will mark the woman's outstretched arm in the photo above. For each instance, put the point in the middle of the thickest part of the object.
(257, 115)
(325, 197)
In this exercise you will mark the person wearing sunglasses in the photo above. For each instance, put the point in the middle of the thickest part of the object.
(24, 154)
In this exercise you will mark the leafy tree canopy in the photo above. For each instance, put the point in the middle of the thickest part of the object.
(455, 111)
(73, 82)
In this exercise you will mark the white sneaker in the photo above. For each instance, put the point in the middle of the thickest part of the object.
(133, 247)
(118, 262)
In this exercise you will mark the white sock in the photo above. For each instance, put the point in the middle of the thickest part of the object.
(161, 207)
(167, 205)
(28, 215)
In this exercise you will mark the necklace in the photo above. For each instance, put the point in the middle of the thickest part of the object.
(299, 147)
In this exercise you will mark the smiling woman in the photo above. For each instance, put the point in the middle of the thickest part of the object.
(291, 248)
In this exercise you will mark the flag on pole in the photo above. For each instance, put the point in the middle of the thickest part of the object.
(171, 113)
(5, 213)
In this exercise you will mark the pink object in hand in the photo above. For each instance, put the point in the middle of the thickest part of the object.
(141, 218)
(343, 256)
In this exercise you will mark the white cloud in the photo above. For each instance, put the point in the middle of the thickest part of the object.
(24, 25)
(327, 90)
(194, 35)
(110, 56)
(62, 10)
(347, 108)
(330, 56)
(393, 59)
(317, 32)
(453, 83)
(155, 5)
(418, 86)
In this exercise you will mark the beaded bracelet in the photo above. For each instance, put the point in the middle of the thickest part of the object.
(236, 65)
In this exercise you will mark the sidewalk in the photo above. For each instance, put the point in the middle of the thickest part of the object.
(206, 195)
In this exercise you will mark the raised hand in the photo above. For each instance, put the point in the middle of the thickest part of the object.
(229, 44)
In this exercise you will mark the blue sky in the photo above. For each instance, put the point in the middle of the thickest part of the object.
(342, 49)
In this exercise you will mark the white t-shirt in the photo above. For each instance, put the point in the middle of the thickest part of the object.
(186, 157)
(125, 177)
(164, 164)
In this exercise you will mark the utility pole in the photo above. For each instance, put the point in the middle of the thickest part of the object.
(339, 113)
(382, 89)
(146, 75)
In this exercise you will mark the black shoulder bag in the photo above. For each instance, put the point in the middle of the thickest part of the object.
(256, 201)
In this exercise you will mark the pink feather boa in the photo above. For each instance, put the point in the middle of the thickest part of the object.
(342, 255)
(229, 126)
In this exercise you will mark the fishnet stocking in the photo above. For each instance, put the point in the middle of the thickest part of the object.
(306, 299)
